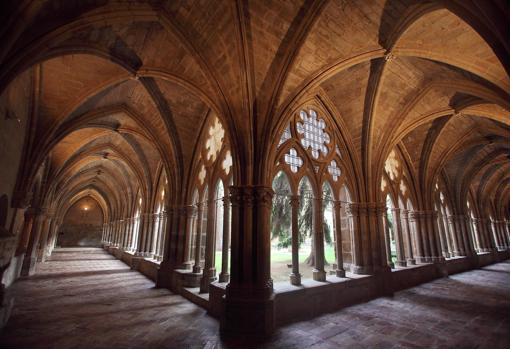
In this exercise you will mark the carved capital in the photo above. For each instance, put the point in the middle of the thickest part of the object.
(294, 201)
(191, 210)
(263, 195)
(248, 196)
(352, 209)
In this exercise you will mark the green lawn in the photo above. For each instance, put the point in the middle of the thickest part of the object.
(282, 257)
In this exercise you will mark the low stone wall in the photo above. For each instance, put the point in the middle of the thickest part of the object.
(144, 266)
(414, 275)
(312, 298)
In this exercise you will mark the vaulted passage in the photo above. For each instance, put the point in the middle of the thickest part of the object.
(269, 161)
(84, 298)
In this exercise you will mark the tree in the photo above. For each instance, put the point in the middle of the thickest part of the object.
(282, 214)
(281, 211)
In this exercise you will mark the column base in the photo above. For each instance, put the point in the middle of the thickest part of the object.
(421, 260)
(319, 275)
(295, 279)
(439, 259)
(340, 273)
(361, 270)
(411, 261)
(459, 254)
(401, 264)
(187, 265)
(224, 277)
(205, 282)
(197, 269)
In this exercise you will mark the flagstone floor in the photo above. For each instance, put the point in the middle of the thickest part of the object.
(85, 298)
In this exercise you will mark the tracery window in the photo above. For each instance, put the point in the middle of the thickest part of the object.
(306, 217)
(400, 229)
(208, 228)
(159, 220)
(136, 226)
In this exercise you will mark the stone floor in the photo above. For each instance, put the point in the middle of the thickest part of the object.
(84, 298)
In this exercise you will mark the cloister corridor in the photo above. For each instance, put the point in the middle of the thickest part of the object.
(85, 298)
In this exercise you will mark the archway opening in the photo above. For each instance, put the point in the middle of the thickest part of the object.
(82, 225)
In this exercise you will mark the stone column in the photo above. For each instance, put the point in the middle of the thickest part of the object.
(357, 267)
(442, 236)
(318, 273)
(453, 233)
(153, 246)
(340, 271)
(478, 242)
(249, 299)
(437, 252)
(224, 275)
(409, 238)
(479, 231)
(295, 276)
(507, 224)
(502, 234)
(164, 220)
(448, 236)
(209, 272)
(29, 217)
(28, 267)
(43, 238)
(387, 241)
(149, 247)
(140, 248)
(191, 214)
(431, 236)
(401, 262)
(488, 232)
(129, 240)
(365, 237)
(425, 236)
(198, 240)
(375, 221)
(466, 237)
(414, 221)
(159, 240)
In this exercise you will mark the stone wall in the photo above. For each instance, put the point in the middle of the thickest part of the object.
(13, 125)
(82, 225)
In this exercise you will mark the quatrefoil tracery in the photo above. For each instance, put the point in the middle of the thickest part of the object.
(314, 136)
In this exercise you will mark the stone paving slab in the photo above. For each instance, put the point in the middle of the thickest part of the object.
(88, 299)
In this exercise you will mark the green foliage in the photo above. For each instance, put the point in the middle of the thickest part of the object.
(281, 212)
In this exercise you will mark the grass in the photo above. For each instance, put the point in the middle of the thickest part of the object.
(280, 259)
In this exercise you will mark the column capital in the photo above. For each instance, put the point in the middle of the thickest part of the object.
(414, 215)
(251, 195)
(191, 210)
(377, 208)
(352, 209)
(294, 200)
